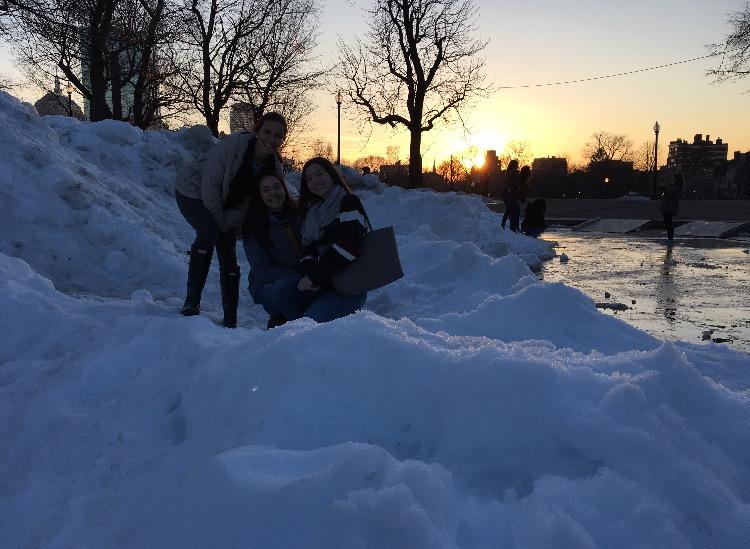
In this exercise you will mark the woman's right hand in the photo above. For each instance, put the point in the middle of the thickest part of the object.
(306, 285)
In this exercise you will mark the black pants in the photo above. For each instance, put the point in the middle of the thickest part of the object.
(207, 235)
(512, 211)
(668, 224)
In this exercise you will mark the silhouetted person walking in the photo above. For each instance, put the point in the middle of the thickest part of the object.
(670, 202)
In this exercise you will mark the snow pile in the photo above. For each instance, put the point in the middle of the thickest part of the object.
(91, 205)
(469, 406)
(136, 428)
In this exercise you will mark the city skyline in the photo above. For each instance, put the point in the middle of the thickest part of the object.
(543, 42)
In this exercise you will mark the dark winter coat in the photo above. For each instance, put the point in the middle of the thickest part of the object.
(511, 187)
(533, 217)
(670, 198)
(279, 256)
(340, 244)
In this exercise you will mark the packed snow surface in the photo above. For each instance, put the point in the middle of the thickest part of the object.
(469, 404)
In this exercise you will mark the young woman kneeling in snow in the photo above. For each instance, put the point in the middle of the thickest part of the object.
(333, 228)
(271, 238)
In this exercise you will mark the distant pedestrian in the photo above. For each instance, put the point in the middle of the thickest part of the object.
(533, 218)
(670, 202)
(522, 193)
(523, 184)
(510, 194)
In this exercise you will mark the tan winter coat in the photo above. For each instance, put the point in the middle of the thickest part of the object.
(219, 168)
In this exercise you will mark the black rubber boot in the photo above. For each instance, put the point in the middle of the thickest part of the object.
(200, 262)
(230, 296)
(275, 321)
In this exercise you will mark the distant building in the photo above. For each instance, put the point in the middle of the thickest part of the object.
(703, 164)
(701, 153)
(550, 164)
(737, 181)
(241, 117)
(613, 177)
(491, 177)
(549, 177)
(55, 103)
(395, 174)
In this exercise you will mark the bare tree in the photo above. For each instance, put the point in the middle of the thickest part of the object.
(417, 66)
(321, 147)
(393, 154)
(453, 171)
(371, 161)
(735, 49)
(517, 150)
(6, 83)
(142, 30)
(68, 36)
(281, 76)
(605, 146)
(221, 42)
(102, 47)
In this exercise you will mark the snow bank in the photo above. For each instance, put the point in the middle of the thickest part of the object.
(91, 205)
(470, 405)
(115, 436)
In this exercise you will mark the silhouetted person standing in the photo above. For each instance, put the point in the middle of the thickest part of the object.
(670, 202)
(511, 186)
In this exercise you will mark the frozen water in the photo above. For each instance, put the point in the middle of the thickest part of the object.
(679, 291)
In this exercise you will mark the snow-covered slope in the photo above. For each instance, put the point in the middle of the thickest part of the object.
(469, 405)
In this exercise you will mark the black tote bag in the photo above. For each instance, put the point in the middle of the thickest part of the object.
(378, 264)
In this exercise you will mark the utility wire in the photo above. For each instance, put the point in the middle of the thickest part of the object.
(608, 75)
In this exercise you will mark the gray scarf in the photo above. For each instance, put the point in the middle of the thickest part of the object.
(321, 214)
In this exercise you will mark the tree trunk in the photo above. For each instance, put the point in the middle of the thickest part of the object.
(116, 75)
(99, 108)
(415, 159)
(212, 121)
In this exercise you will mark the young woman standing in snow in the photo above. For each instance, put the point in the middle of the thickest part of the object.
(215, 205)
(272, 242)
(333, 229)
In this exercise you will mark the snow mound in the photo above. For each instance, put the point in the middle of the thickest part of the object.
(91, 205)
(394, 436)
(470, 405)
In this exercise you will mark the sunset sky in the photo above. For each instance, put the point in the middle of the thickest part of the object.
(539, 41)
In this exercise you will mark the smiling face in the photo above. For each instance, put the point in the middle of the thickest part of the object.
(318, 180)
(270, 136)
(272, 193)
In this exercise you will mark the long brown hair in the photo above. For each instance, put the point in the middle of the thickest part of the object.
(256, 223)
(306, 197)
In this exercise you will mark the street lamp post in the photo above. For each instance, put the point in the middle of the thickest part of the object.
(69, 89)
(656, 152)
(338, 143)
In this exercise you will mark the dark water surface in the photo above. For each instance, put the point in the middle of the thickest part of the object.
(692, 291)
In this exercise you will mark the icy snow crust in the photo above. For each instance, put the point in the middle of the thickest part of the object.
(469, 406)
